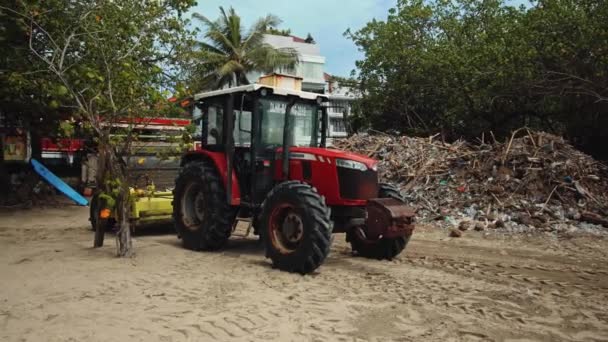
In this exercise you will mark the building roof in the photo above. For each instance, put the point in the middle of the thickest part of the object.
(299, 40)
(280, 74)
(304, 49)
(255, 87)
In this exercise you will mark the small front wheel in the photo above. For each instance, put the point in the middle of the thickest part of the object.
(383, 248)
(296, 227)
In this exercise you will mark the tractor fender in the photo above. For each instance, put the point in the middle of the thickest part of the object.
(219, 160)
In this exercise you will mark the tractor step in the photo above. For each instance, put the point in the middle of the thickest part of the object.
(237, 231)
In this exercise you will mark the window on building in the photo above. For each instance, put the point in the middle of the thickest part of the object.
(337, 125)
(287, 71)
(312, 70)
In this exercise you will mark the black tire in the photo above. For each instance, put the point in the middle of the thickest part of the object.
(105, 224)
(294, 200)
(94, 211)
(203, 219)
(99, 236)
(384, 248)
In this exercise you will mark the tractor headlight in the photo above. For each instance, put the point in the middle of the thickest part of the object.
(351, 164)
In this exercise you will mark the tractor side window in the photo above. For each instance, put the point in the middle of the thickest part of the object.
(273, 118)
(214, 126)
(197, 119)
(242, 128)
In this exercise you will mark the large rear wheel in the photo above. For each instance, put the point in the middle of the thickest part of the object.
(203, 219)
(383, 248)
(296, 227)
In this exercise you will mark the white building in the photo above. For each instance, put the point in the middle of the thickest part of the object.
(340, 106)
(311, 68)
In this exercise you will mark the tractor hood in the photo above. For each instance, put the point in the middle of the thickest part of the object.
(329, 155)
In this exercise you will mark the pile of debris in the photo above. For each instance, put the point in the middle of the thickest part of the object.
(534, 180)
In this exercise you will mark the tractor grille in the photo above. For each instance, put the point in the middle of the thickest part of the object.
(355, 184)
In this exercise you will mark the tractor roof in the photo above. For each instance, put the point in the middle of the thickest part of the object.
(254, 87)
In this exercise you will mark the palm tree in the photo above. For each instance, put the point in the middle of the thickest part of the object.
(228, 53)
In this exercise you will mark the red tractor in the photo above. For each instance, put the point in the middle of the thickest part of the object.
(263, 161)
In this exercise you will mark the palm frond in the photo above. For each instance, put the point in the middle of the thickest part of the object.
(208, 57)
(216, 33)
(255, 36)
(270, 20)
(266, 58)
(230, 68)
(231, 26)
(203, 46)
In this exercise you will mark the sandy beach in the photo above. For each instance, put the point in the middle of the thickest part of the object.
(481, 287)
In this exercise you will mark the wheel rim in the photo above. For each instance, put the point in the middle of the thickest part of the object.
(286, 229)
(193, 207)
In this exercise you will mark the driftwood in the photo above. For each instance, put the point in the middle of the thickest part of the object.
(534, 173)
(594, 218)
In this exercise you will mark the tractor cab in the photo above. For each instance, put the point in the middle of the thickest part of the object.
(262, 159)
(264, 125)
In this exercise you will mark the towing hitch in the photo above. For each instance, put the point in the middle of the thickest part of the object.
(388, 217)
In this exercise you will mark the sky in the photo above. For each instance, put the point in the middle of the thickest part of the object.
(325, 20)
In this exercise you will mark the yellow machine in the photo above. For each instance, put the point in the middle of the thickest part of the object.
(151, 207)
(151, 202)
(146, 208)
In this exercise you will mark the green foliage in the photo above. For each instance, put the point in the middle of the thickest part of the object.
(107, 200)
(277, 32)
(100, 62)
(113, 186)
(66, 128)
(229, 53)
(96, 60)
(464, 67)
(309, 39)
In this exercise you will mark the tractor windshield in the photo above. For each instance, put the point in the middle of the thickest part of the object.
(303, 123)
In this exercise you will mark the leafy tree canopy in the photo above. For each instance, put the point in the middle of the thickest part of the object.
(99, 61)
(111, 58)
(278, 32)
(468, 66)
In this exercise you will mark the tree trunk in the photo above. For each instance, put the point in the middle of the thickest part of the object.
(110, 167)
(124, 245)
(102, 169)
